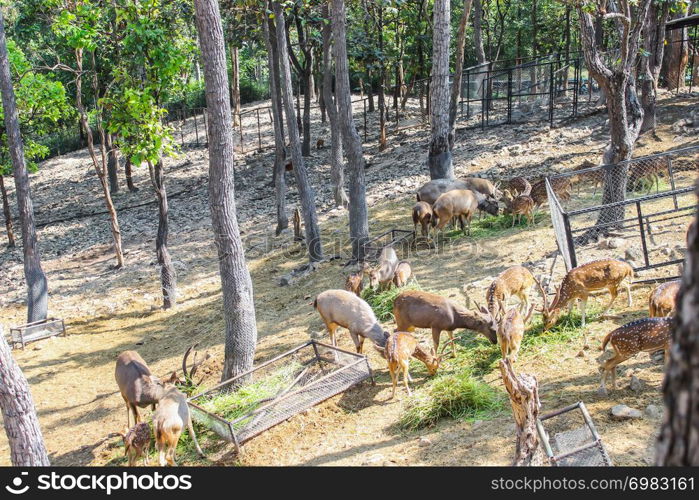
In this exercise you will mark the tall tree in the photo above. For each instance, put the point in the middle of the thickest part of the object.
(306, 194)
(278, 121)
(337, 167)
(623, 107)
(19, 418)
(439, 159)
(236, 284)
(37, 285)
(7, 213)
(678, 441)
(676, 53)
(458, 69)
(358, 218)
(651, 60)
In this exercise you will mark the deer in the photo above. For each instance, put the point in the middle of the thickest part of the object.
(382, 276)
(169, 419)
(136, 443)
(422, 214)
(137, 385)
(402, 274)
(320, 143)
(519, 186)
(400, 347)
(355, 281)
(345, 309)
(518, 206)
(511, 330)
(430, 191)
(596, 177)
(417, 309)
(513, 281)
(581, 281)
(458, 203)
(560, 185)
(642, 335)
(483, 186)
(662, 300)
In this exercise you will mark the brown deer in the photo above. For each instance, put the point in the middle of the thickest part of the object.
(511, 330)
(402, 274)
(519, 186)
(519, 206)
(560, 185)
(483, 186)
(513, 281)
(662, 300)
(345, 309)
(137, 385)
(458, 203)
(320, 143)
(581, 281)
(430, 191)
(136, 443)
(400, 347)
(169, 419)
(642, 335)
(355, 281)
(596, 177)
(382, 276)
(417, 309)
(422, 214)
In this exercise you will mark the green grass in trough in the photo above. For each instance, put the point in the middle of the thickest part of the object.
(382, 302)
(494, 225)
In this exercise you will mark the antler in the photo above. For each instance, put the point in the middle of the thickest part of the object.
(543, 295)
(195, 365)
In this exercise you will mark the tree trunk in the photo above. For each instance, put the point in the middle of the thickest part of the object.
(112, 164)
(305, 74)
(129, 176)
(236, 284)
(524, 397)
(458, 70)
(8, 215)
(439, 158)
(168, 277)
(235, 85)
(37, 286)
(358, 218)
(678, 441)
(478, 30)
(306, 194)
(382, 84)
(337, 168)
(370, 92)
(676, 55)
(651, 62)
(279, 146)
(19, 418)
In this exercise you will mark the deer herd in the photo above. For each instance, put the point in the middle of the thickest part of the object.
(438, 203)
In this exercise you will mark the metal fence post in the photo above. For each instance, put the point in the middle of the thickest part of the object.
(551, 93)
(671, 173)
(259, 134)
(509, 95)
(643, 233)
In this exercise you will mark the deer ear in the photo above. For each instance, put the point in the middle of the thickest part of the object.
(173, 378)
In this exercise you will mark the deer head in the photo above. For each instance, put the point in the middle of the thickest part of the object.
(373, 278)
(550, 314)
(490, 320)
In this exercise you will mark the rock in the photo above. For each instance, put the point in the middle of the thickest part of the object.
(475, 425)
(581, 354)
(423, 441)
(654, 411)
(623, 412)
(636, 384)
(633, 253)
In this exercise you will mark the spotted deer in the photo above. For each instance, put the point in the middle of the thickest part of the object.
(136, 443)
(355, 282)
(642, 335)
(518, 206)
(662, 300)
(581, 281)
(511, 331)
(400, 347)
(519, 186)
(513, 281)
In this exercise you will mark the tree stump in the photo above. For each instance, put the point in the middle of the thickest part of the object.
(524, 398)
(298, 235)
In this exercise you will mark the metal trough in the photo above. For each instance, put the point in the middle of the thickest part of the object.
(299, 379)
(37, 330)
(578, 446)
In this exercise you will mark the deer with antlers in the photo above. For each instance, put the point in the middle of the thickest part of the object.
(643, 335)
(581, 281)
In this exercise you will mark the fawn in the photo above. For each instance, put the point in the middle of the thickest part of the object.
(382, 276)
(510, 332)
(515, 280)
(355, 281)
(402, 274)
(662, 300)
(643, 335)
(136, 442)
(400, 347)
(518, 206)
(581, 281)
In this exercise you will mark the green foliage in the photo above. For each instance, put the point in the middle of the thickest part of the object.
(382, 302)
(458, 396)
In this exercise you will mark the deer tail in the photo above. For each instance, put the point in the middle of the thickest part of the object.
(606, 341)
(315, 303)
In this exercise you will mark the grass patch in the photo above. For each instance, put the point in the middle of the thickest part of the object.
(382, 302)
(458, 396)
(494, 225)
(234, 404)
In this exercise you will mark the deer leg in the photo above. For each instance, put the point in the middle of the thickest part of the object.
(613, 292)
(436, 332)
(137, 417)
(128, 414)
(406, 367)
(583, 307)
(358, 342)
(394, 381)
(628, 293)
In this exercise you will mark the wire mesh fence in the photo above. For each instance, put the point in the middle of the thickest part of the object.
(641, 207)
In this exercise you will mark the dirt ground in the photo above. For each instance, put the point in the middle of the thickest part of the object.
(108, 311)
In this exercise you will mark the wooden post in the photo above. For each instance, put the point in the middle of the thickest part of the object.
(524, 398)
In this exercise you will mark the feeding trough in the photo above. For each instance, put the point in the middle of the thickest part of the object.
(37, 330)
(571, 438)
(390, 238)
(247, 405)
